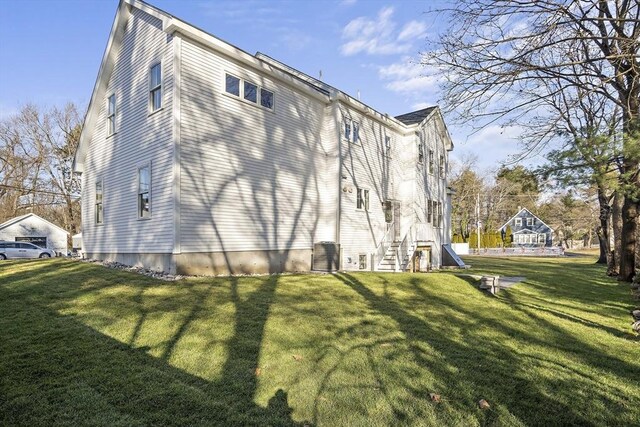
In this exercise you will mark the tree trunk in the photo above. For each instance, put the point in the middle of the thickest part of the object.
(616, 222)
(628, 241)
(631, 182)
(603, 230)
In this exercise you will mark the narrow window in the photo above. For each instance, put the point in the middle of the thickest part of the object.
(529, 222)
(144, 193)
(429, 211)
(347, 130)
(362, 199)
(362, 262)
(156, 88)
(232, 85)
(266, 99)
(431, 161)
(250, 92)
(518, 222)
(439, 214)
(111, 115)
(420, 153)
(442, 168)
(99, 209)
(356, 132)
(387, 146)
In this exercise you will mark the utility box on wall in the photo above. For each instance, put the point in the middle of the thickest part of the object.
(326, 256)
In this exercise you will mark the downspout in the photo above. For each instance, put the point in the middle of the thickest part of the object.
(338, 122)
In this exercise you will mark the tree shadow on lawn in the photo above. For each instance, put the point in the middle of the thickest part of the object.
(57, 370)
(469, 367)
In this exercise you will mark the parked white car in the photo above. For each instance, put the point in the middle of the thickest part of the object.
(12, 250)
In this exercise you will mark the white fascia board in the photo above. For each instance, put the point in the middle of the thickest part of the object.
(370, 112)
(175, 25)
(100, 87)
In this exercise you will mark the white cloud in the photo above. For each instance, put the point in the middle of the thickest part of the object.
(373, 36)
(409, 77)
(413, 30)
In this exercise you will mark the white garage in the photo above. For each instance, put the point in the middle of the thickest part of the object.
(37, 230)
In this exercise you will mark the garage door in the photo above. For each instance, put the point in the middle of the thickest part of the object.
(38, 241)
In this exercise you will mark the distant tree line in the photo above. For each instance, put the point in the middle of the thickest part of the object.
(37, 146)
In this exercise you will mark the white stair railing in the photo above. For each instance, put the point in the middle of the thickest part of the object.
(386, 241)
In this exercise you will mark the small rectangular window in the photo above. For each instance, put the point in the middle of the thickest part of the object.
(362, 199)
(518, 222)
(442, 167)
(98, 203)
(387, 146)
(430, 168)
(529, 222)
(266, 99)
(111, 115)
(232, 85)
(356, 132)
(362, 262)
(420, 153)
(542, 238)
(347, 130)
(155, 95)
(144, 191)
(250, 92)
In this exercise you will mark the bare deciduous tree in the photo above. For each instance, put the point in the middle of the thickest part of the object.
(502, 58)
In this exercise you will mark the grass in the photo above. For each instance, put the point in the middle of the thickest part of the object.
(81, 344)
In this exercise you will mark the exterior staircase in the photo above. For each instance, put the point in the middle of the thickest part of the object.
(390, 260)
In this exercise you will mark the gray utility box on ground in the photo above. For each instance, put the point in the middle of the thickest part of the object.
(326, 256)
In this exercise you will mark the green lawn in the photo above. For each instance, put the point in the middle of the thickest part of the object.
(81, 344)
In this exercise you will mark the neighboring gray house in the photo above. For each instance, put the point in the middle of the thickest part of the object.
(528, 230)
(37, 230)
(199, 158)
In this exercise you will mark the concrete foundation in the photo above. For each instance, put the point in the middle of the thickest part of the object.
(244, 262)
(156, 262)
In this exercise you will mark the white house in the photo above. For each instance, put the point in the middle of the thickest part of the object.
(37, 230)
(200, 158)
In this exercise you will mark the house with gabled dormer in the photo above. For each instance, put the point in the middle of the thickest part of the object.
(199, 158)
(527, 230)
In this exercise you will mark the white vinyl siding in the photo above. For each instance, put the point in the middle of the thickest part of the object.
(140, 138)
(268, 184)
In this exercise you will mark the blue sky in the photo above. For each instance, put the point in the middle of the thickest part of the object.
(51, 51)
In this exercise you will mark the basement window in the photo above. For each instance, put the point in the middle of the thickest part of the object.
(362, 262)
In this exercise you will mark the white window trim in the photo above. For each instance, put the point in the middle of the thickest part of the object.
(138, 167)
(529, 220)
(352, 124)
(95, 202)
(240, 96)
(366, 262)
(152, 89)
(114, 115)
(366, 200)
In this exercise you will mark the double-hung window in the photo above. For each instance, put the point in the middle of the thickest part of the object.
(429, 210)
(518, 222)
(111, 115)
(362, 199)
(144, 191)
(155, 88)
(441, 167)
(98, 204)
(430, 167)
(351, 131)
(420, 153)
(529, 222)
(439, 223)
(387, 146)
